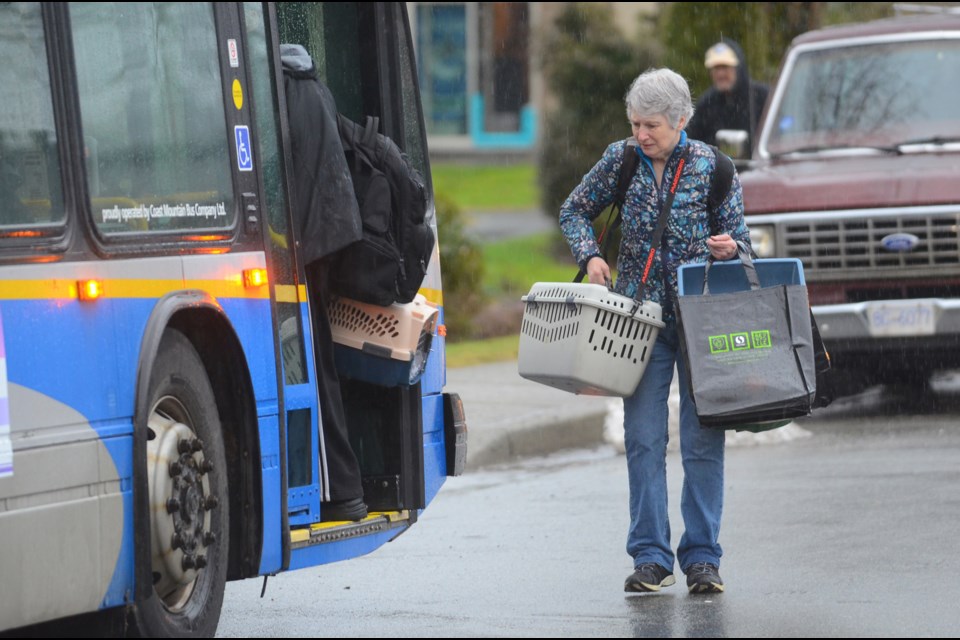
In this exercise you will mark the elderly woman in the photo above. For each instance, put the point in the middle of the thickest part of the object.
(658, 108)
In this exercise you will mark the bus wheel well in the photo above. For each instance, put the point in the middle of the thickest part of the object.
(215, 340)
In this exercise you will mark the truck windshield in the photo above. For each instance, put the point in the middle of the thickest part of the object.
(875, 95)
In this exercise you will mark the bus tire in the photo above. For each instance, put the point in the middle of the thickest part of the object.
(188, 495)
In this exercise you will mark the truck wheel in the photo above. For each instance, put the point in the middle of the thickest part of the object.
(912, 393)
(188, 510)
(839, 382)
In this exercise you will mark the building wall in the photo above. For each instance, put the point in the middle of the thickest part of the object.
(479, 71)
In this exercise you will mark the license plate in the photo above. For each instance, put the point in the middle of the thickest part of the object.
(908, 318)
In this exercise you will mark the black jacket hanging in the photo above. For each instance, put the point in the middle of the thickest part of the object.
(325, 208)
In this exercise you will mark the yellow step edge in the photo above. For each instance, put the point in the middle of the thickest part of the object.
(304, 534)
(392, 516)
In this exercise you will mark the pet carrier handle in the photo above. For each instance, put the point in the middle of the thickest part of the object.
(743, 252)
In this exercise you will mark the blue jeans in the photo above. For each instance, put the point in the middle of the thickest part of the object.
(645, 436)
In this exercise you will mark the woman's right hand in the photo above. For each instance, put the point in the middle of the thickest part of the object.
(598, 271)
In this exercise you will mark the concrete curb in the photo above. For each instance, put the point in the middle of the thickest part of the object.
(574, 432)
(509, 417)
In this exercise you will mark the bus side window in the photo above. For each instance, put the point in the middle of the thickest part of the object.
(151, 101)
(30, 182)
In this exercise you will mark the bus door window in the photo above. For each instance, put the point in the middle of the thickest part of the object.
(330, 32)
(153, 118)
(299, 393)
(271, 163)
(30, 180)
(414, 136)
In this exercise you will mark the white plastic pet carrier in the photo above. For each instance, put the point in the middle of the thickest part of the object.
(586, 339)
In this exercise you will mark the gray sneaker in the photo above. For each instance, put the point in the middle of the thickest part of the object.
(703, 577)
(649, 577)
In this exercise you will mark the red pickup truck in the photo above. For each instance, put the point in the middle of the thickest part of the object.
(857, 174)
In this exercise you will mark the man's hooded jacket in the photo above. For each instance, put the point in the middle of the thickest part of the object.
(739, 109)
(324, 204)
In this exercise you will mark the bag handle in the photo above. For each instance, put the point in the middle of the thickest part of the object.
(743, 252)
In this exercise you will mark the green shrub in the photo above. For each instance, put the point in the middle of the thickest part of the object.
(588, 66)
(461, 267)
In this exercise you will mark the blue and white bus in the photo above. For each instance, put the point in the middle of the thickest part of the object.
(158, 410)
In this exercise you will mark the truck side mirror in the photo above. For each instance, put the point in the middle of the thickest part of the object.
(733, 142)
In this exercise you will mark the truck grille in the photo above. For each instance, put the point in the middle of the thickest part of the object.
(833, 245)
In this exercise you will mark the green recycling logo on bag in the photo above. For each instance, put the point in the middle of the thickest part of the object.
(737, 346)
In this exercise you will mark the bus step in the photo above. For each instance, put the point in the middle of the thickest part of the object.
(323, 532)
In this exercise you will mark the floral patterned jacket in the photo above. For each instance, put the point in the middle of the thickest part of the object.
(688, 227)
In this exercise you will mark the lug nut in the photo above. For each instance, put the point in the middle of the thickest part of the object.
(173, 505)
(188, 562)
(196, 444)
(175, 469)
(183, 446)
(201, 561)
(211, 503)
(209, 538)
(177, 541)
(206, 467)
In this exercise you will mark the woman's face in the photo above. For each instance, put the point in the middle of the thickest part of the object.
(655, 135)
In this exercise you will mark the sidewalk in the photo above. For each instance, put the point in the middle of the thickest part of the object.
(493, 226)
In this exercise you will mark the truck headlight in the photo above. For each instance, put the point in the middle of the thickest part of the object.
(762, 239)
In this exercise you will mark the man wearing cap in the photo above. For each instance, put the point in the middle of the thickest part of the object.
(734, 101)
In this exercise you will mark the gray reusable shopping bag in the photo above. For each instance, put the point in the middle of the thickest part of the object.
(749, 354)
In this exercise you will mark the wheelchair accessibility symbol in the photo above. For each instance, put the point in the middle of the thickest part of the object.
(241, 135)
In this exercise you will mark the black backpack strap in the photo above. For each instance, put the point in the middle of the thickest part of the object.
(720, 183)
(370, 127)
(629, 162)
(628, 167)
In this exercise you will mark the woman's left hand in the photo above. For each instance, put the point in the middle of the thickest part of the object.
(722, 247)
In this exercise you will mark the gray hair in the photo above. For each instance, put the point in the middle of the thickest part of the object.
(660, 92)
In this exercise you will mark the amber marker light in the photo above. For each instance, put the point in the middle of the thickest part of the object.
(88, 290)
(254, 277)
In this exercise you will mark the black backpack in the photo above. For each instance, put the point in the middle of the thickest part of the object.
(389, 262)
(720, 181)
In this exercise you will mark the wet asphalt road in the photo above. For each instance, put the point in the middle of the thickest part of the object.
(850, 532)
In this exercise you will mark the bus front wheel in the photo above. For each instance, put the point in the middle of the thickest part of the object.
(188, 510)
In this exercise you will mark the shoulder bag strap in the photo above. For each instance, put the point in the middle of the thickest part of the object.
(658, 231)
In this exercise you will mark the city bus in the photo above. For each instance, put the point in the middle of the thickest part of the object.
(159, 429)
